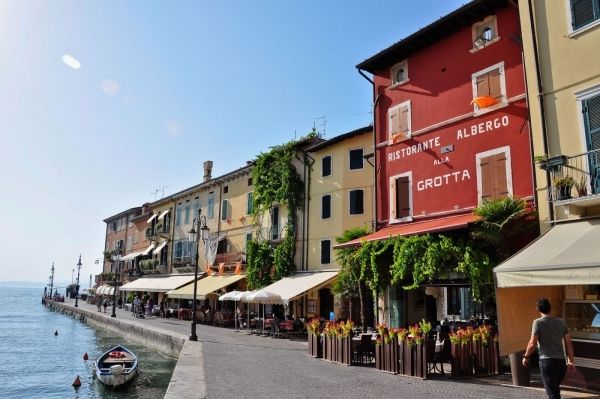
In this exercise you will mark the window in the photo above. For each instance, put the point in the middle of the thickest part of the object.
(494, 179)
(325, 252)
(187, 214)
(129, 243)
(484, 32)
(135, 237)
(178, 217)
(275, 223)
(584, 12)
(247, 239)
(225, 189)
(400, 198)
(196, 207)
(489, 89)
(399, 73)
(326, 166)
(249, 203)
(399, 122)
(356, 159)
(114, 226)
(591, 121)
(249, 181)
(326, 206)
(225, 209)
(178, 250)
(357, 202)
(130, 220)
(211, 207)
(223, 246)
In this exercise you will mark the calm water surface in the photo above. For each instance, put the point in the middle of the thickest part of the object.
(35, 363)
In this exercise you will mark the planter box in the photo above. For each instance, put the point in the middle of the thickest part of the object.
(315, 345)
(386, 357)
(552, 164)
(344, 350)
(486, 357)
(462, 360)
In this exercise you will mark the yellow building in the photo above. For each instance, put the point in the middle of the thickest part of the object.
(160, 232)
(561, 44)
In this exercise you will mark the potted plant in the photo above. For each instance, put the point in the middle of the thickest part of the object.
(550, 163)
(563, 186)
(581, 187)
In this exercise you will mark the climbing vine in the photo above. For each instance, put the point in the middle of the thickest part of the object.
(276, 182)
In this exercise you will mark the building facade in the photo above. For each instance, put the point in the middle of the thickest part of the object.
(450, 131)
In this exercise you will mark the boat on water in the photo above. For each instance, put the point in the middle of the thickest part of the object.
(116, 366)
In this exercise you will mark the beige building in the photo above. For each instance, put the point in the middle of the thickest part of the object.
(561, 52)
(160, 232)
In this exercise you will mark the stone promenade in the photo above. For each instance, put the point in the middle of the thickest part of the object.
(235, 365)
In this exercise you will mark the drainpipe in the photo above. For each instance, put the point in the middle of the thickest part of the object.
(374, 107)
(540, 97)
(305, 217)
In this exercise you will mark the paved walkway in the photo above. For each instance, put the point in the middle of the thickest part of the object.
(247, 366)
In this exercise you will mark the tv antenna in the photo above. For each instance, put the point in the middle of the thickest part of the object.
(322, 125)
(160, 190)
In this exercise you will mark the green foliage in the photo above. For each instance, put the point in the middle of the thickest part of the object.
(348, 279)
(260, 259)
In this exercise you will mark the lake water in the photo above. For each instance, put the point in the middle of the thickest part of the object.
(34, 363)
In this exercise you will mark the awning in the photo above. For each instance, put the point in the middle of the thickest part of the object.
(157, 284)
(106, 290)
(150, 248)
(298, 284)
(568, 254)
(132, 255)
(152, 218)
(205, 286)
(159, 248)
(162, 215)
(409, 229)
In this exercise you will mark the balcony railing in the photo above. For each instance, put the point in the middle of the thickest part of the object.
(576, 180)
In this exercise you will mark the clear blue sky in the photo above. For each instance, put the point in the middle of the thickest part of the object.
(161, 87)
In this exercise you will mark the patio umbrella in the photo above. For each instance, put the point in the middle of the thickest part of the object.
(264, 297)
(232, 296)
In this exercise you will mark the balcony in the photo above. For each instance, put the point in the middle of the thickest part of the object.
(575, 180)
(150, 233)
(162, 229)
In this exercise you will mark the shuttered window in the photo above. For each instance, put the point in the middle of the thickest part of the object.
(400, 197)
(399, 121)
(494, 183)
(326, 206)
(326, 166)
(325, 252)
(584, 12)
(356, 159)
(225, 210)
(591, 118)
(357, 202)
(488, 84)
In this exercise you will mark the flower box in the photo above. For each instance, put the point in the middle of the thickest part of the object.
(386, 356)
(462, 360)
(315, 345)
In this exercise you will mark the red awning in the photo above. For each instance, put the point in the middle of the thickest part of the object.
(412, 228)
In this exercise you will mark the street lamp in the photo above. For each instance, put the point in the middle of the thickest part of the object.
(200, 223)
(77, 286)
(116, 259)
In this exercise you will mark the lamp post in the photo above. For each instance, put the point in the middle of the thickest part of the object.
(77, 286)
(116, 259)
(200, 223)
(51, 280)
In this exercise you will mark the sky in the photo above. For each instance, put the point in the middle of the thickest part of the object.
(102, 103)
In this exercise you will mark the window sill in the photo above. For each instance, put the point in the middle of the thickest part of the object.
(397, 85)
(583, 29)
(478, 112)
(401, 220)
(356, 170)
(484, 45)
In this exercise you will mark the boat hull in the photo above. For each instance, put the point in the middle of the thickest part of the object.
(116, 367)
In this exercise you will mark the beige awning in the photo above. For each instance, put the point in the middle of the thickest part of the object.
(150, 248)
(106, 290)
(205, 286)
(152, 218)
(162, 215)
(157, 284)
(133, 255)
(300, 283)
(568, 254)
(159, 248)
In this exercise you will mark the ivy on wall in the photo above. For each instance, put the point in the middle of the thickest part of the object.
(276, 182)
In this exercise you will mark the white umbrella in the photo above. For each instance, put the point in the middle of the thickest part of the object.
(232, 296)
(263, 297)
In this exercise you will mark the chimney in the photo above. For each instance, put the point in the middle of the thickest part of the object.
(208, 170)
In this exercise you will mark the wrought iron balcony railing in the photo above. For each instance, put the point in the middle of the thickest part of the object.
(576, 179)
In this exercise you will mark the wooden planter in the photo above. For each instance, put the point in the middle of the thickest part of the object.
(344, 350)
(325, 342)
(486, 357)
(462, 360)
(386, 356)
(315, 345)
(420, 369)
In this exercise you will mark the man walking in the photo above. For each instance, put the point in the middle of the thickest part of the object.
(549, 333)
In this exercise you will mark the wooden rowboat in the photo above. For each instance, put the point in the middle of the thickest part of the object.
(116, 366)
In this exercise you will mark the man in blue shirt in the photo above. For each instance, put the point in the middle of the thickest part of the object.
(549, 333)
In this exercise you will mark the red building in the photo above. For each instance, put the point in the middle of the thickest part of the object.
(450, 120)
